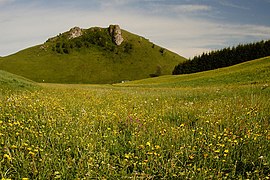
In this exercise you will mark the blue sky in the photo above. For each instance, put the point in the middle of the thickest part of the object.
(187, 27)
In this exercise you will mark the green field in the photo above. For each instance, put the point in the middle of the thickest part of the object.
(252, 72)
(198, 126)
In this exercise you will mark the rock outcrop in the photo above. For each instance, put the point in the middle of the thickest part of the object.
(116, 34)
(75, 32)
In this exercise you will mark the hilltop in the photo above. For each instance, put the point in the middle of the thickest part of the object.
(94, 55)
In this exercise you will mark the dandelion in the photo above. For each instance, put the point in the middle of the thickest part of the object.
(191, 157)
(205, 155)
(221, 145)
(25, 144)
(141, 146)
(6, 156)
(13, 147)
(31, 153)
(148, 144)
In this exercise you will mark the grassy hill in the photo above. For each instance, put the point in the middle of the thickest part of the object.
(91, 58)
(252, 72)
(13, 82)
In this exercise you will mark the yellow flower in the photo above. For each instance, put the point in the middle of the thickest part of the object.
(191, 156)
(148, 144)
(127, 156)
(7, 157)
(141, 146)
(205, 155)
(226, 151)
(25, 178)
(31, 153)
(13, 147)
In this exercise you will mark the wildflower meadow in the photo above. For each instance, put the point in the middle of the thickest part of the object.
(111, 132)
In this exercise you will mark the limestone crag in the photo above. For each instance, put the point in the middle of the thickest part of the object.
(116, 34)
(75, 32)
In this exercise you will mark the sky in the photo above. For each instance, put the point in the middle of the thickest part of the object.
(187, 27)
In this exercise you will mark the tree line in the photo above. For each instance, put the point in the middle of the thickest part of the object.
(224, 57)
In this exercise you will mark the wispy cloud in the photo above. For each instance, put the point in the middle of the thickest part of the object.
(190, 8)
(233, 4)
(181, 31)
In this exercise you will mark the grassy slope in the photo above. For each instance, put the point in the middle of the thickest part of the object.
(13, 82)
(256, 71)
(101, 131)
(92, 65)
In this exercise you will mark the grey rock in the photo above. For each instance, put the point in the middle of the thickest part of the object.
(75, 32)
(116, 34)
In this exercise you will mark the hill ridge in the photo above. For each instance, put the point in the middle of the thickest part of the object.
(95, 55)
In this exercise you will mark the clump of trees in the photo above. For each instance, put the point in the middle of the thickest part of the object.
(95, 37)
(223, 58)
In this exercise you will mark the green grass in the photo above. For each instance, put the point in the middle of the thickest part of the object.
(208, 131)
(106, 132)
(252, 72)
(95, 64)
(12, 83)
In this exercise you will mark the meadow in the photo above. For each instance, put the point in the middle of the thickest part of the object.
(107, 132)
(131, 131)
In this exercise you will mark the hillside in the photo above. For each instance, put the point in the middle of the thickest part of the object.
(91, 56)
(252, 72)
(13, 82)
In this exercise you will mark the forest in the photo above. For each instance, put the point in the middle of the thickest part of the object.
(224, 57)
